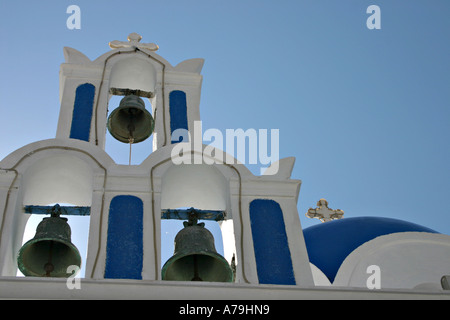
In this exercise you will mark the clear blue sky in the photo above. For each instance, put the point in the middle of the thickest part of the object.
(366, 113)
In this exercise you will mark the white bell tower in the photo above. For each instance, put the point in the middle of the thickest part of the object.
(131, 67)
(262, 235)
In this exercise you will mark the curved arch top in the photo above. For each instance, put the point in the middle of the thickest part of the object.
(74, 56)
(166, 156)
(101, 59)
(33, 150)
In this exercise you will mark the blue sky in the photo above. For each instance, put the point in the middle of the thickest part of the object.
(366, 113)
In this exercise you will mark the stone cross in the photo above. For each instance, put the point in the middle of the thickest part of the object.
(133, 42)
(323, 213)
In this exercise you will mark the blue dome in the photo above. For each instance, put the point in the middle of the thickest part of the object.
(329, 243)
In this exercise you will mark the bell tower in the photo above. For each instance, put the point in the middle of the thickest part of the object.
(133, 70)
(73, 174)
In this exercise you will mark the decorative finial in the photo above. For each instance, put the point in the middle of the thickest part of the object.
(133, 41)
(134, 37)
(323, 213)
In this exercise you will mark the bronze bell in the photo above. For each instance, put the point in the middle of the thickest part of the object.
(195, 257)
(131, 122)
(51, 251)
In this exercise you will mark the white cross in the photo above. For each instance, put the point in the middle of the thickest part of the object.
(323, 213)
(133, 41)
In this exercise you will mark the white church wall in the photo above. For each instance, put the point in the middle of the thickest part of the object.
(320, 279)
(405, 260)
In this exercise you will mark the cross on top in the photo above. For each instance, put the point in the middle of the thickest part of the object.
(323, 213)
(133, 41)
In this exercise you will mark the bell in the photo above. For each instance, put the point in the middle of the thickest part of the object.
(50, 252)
(195, 257)
(131, 122)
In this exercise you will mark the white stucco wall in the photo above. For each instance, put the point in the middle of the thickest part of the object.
(405, 260)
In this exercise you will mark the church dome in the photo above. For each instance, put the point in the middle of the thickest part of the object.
(329, 243)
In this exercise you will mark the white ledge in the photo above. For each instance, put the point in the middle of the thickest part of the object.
(45, 288)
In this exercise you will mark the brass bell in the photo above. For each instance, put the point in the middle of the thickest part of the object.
(130, 122)
(195, 257)
(51, 251)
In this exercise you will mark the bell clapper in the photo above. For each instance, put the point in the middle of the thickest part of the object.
(193, 221)
(49, 267)
(196, 276)
(131, 129)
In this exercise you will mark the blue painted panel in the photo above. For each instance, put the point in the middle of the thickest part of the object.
(272, 254)
(124, 248)
(82, 112)
(178, 112)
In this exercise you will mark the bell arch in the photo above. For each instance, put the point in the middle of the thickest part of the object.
(120, 151)
(228, 179)
(48, 172)
(198, 186)
(132, 76)
(65, 178)
(184, 186)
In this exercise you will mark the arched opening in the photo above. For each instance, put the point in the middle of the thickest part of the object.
(61, 179)
(131, 76)
(201, 187)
